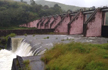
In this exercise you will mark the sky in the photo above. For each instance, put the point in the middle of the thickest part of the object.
(83, 3)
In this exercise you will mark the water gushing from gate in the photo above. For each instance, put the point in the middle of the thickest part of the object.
(19, 47)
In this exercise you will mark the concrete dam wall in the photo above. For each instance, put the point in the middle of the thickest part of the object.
(87, 22)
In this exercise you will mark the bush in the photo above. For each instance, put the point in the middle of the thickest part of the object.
(25, 34)
(5, 38)
(77, 56)
(46, 37)
(33, 35)
(10, 35)
(105, 56)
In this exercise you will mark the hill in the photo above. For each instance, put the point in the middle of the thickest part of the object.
(63, 6)
(51, 4)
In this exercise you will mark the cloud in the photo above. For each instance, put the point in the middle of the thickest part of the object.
(97, 3)
(83, 3)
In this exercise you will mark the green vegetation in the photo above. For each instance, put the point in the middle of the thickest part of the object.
(51, 4)
(67, 39)
(10, 35)
(77, 56)
(46, 37)
(14, 13)
(63, 40)
(25, 34)
(33, 35)
(4, 39)
(27, 65)
(51, 33)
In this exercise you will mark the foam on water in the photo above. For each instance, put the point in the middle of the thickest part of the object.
(20, 48)
(6, 57)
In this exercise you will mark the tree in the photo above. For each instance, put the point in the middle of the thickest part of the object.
(69, 11)
(16, 13)
(32, 2)
(46, 7)
(56, 6)
(21, 0)
(93, 8)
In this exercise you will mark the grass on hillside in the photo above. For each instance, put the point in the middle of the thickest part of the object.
(77, 56)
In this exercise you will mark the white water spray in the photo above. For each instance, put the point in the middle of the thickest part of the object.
(20, 48)
(6, 58)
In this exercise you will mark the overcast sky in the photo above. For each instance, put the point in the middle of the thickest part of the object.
(83, 3)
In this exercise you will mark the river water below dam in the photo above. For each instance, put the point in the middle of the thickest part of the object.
(37, 45)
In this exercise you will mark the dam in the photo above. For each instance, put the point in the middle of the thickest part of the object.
(90, 22)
